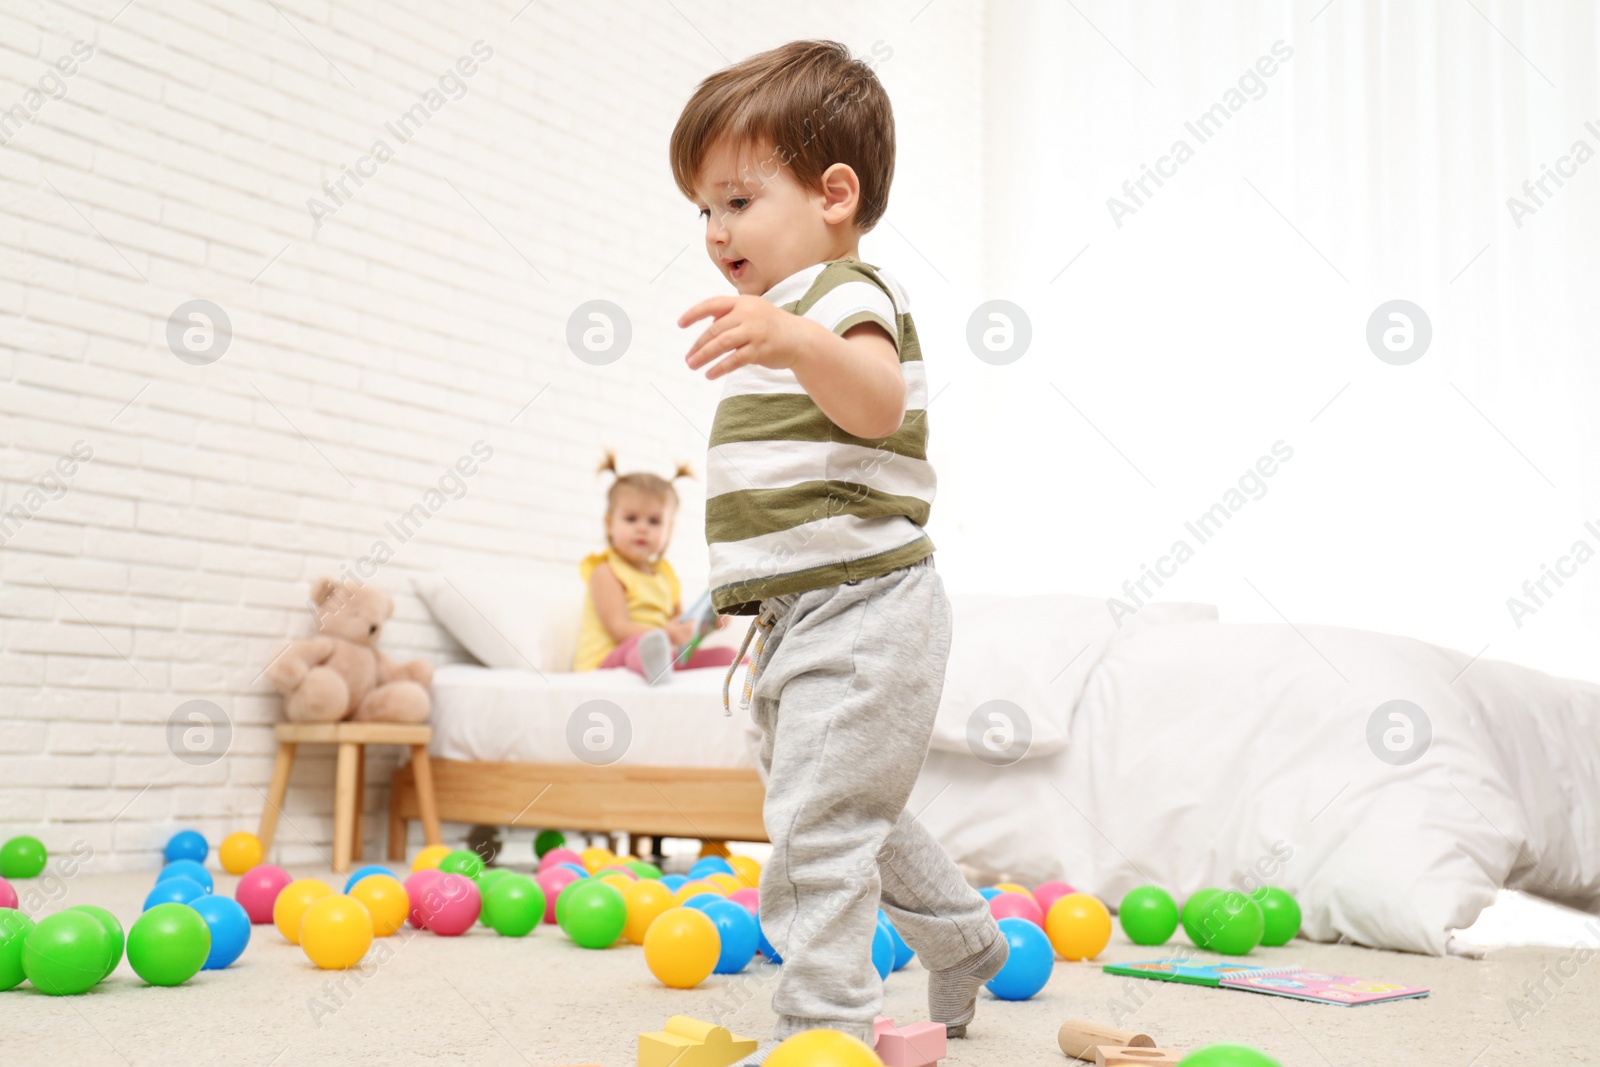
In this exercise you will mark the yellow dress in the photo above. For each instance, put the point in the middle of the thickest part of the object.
(651, 598)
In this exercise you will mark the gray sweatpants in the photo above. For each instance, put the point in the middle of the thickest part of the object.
(847, 684)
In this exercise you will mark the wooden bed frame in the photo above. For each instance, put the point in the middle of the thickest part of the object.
(712, 804)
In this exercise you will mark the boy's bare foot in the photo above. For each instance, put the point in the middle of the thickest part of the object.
(953, 993)
(655, 655)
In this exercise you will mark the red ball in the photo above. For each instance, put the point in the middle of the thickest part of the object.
(417, 889)
(258, 890)
(553, 881)
(1016, 906)
(750, 899)
(1050, 892)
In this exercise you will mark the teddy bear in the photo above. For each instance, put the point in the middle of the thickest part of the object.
(340, 674)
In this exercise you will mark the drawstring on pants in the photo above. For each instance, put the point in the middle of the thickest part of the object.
(764, 621)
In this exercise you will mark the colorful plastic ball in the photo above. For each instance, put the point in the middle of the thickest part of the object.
(688, 890)
(364, 872)
(646, 899)
(336, 932)
(1079, 926)
(547, 840)
(1013, 887)
(189, 869)
(750, 898)
(989, 892)
(14, 930)
(178, 890)
(487, 881)
(554, 882)
(22, 857)
(557, 856)
(230, 929)
(1148, 915)
(738, 933)
(513, 906)
(682, 947)
(1225, 1056)
(747, 869)
(463, 862)
(616, 881)
(822, 1048)
(1009, 905)
(1046, 894)
(428, 859)
(902, 951)
(67, 953)
(1192, 909)
(765, 946)
(291, 905)
(258, 890)
(882, 950)
(700, 900)
(710, 865)
(1234, 924)
(643, 869)
(386, 900)
(592, 913)
(453, 904)
(619, 869)
(113, 930)
(8, 895)
(187, 845)
(1028, 967)
(417, 889)
(168, 944)
(595, 858)
(1280, 913)
(239, 852)
(728, 883)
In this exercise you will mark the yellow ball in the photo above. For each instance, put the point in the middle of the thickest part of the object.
(595, 858)
(646, 899)
(386, 899)
(729, 883)
(822, 1048)
(428, 859)
(692, 889)
(681, 947)
(748, 870)
(1079, 926)
(240, 852)
(620, 881)
(291, 905)
(336, 932)
(1012, 887)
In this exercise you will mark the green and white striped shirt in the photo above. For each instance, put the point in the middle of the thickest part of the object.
(794, 502)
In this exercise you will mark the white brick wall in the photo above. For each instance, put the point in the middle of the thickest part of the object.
(177, 165)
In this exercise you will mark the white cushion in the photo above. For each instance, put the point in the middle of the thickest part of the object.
(517, 619)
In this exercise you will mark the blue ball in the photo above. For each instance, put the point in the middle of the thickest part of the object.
(187, 845)
(711, 865)
(1029, 966)
(764, 945)
(700, 900)
(230, 929)
(902, 951)
(372, 868)
(673, 882)
(178, 890)
(738, 930)
(882, 949)
(989, 892)
(189, 869)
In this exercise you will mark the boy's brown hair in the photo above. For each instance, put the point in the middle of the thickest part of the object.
(812, 103)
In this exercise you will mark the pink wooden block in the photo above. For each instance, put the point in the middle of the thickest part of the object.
(916, 1045)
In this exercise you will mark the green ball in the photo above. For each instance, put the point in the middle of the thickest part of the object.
(113, 930)
(592, 913)
(643, 869)
(547, 840)
(1281, 913)
(1233, 923)
(464, 862)
(486, 882)
(168, 944)
(22, 857)
(67, 953)
(1191, 915)
(14, 930)
(1228, 1056)
(515, 906)
(1148, 915)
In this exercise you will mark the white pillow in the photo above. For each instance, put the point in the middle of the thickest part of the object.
(519, 619)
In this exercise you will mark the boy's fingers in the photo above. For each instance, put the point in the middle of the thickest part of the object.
(714, 344)
(731, 362)
(716, 305)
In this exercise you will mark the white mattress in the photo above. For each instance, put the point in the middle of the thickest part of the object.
(505, 715)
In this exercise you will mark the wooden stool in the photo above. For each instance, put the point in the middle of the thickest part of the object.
(349, 778)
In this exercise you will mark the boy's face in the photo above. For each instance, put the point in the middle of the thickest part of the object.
(761, 225)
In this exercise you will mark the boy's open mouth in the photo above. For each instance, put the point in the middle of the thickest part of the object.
(737, 267)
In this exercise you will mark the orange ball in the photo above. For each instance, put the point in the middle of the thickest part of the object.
(1079, 926)
(646, 899)
(681, 947)
(822, 1048)
(386, 899)
(692, 889)
(239, 852)
(291, 905)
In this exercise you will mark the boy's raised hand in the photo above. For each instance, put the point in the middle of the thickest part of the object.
(744, 329)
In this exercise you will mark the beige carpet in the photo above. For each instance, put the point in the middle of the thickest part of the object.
(541, 1000)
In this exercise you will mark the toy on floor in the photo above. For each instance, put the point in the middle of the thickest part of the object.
(822, 1048)
(190, 869)
(258, 891)
(463, 862)
(239, 852)
(1280, 914)
(912, 1045)
(387, 901)
(8, 895)
(113, 930)
(229, 926)
(1192, 909)
(882, 949)
(687, 1042)
(336, 932)
(682, 947)
(1079, 926)
(168, 944)
(547, 840)
(559, 855)
(554, 882)
(22, 857)
(513, 905)
(749, 898)
(1028, 967)
(187, 845)
(174, 891)
(595, 858)
(902, 951)
(14, 930)
(67, 953)
(291, 905)
(592, 913)
(1047, 893)
(1009, 905)
(737, 930)
(430, 857)
(1148, 915)
(451, 903)
(1079, 1038)
(1232, 923)
(646, 899)
(365, 872)
(1228, 1056)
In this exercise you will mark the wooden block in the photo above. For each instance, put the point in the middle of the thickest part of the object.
(1130, 1056)
(689, 1042)
(1080, 1037)
(915, 1045)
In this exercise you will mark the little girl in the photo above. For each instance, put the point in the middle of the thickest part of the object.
(630, 617)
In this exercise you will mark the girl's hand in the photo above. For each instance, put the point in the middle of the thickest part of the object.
(745, 329)
(723, 620)
(680, 633)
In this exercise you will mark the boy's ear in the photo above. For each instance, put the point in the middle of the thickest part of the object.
(841, 193)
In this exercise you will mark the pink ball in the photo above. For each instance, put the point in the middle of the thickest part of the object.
(8, 896)
(1016, 906)
(1050, 892)
(749, 899)
(557, 856)
(258, 890)
(417, 888)
(553, 882)
(455, 905)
